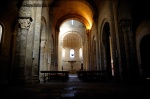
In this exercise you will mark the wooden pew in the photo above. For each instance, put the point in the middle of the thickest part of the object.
(92, 75)
(55, 75)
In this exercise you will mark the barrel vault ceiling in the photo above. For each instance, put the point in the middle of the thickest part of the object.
(81, 10)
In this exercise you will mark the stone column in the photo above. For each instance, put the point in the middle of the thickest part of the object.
(36, 43)
(51, 42)
(20, 52)
(23, 60)
(113, 33)
(88, 49)
(126, 28)
(55, 46)
(84, 43)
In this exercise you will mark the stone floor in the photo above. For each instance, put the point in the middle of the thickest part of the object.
(74, 88)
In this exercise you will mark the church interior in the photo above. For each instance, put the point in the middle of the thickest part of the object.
(103, 42)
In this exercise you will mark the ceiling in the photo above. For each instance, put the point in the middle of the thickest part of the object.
(71, 34)
(61, 10)
(81, 10)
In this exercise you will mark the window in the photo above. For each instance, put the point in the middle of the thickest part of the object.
(71, 53)
(80, 53)
(1, 31)
(1, 35)
(63, 53)
(72, 22)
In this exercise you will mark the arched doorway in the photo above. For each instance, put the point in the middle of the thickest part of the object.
(145, 54)
(107, 53)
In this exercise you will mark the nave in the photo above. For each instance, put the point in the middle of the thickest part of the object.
(74, 88)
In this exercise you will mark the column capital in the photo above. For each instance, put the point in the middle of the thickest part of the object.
(88, 30)
(25, 22)
(126, 25)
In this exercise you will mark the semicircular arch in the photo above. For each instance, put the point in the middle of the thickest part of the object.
(75, 17)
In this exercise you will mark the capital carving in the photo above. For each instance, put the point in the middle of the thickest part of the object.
(25, 22)
(126, 25)
(87, 31)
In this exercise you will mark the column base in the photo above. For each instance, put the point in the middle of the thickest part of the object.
(35, 79)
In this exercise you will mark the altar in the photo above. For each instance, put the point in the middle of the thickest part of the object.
(72, 71)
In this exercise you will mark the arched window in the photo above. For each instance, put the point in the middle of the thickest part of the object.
(80, 53)
(1, 35)
(1, 31)
(72, 22)
(63, 53)
(72, 53)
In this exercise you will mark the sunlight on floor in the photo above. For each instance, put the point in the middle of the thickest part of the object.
(73, 75)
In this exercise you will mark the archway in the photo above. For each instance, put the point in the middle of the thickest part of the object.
(106, 41)
(145, 53)
(70, 39)
(43, 48)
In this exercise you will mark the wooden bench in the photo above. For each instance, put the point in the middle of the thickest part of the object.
(92, 75)
(55, 75)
